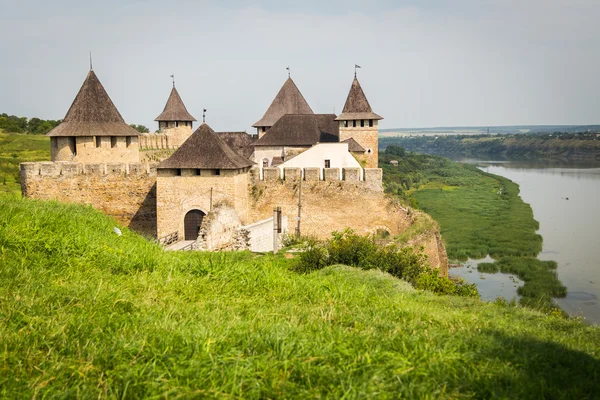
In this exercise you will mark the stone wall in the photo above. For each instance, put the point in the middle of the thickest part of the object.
(367, 137)
(367, 178)
(327, 205)
(126, 192)
(261, 234)
(179, 194)
(219, 228)
(95, 149)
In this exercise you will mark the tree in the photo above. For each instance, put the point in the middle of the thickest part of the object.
(140, 128)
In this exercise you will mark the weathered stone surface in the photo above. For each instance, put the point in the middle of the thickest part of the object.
(271, 174)
(331, 174)
(312, 174)
(292, 173)
(351, 174)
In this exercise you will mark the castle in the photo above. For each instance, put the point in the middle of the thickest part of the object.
(209, 186)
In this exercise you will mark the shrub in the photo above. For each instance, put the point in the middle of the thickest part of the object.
(313, 257)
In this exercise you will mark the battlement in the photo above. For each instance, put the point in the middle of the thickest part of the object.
(157, 142)
(71, 169)
(370, 178)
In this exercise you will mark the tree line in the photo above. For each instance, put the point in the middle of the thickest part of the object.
(38, 126)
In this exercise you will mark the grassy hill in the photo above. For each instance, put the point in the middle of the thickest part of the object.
(87, 313)
(14, 149)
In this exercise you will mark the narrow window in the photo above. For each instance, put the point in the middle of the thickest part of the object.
(371, 122)
(72, 146)
(178, 172)
(217, 172)
(176, 124)
(98, 141)
(264, 128)
(354, 123)
(327, 163)
(128, 141)
(345, 124)
(113, 141)
(198, 172)
(265, 163)
(362, 122)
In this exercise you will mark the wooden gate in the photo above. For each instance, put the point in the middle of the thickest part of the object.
(192, 222)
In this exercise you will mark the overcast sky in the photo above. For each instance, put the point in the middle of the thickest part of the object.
(429, 63)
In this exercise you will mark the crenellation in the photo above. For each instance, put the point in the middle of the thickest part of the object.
(271, 174)
(118, 168)
(331, 174)
(292, 173)
(49, 169)
(94, 169)
(312, 174)
(351, 174)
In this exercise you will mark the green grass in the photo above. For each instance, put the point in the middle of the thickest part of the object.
(16, 148)
(86, 313)
(478, 214)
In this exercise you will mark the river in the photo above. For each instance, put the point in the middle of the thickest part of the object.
(565, 199)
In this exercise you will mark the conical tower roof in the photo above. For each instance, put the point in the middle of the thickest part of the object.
(175, 109)
(289, 100)
(204, 149)
(357, 106)
(93, 114)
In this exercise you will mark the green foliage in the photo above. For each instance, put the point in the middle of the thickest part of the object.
(36, 126)
(349, 248)
(15, 149)
(140, 128)
(479, 214)
(85, 313)
(510, 146)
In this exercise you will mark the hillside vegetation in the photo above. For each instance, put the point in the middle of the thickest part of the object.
(537, 146)
(87, 313)
(15, 149)
(478, 214)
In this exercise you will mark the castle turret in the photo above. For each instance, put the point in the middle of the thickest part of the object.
(175, 121)
(93, 129)
(289, 100)
(358, 121)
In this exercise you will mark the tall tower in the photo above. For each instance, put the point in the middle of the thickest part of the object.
(175, 121)
(289, 100)
(358, 121)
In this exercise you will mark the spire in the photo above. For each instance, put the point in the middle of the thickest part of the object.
(357, 106)
(289, 100)
(175, 109)
(93, 113)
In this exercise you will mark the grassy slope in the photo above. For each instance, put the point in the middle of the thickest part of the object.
(84, 312)
(14, 149)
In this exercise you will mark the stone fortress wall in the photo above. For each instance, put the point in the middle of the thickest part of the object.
(125, 191)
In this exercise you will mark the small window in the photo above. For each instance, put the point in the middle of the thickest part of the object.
(73, 146)
(354, 123)
(371, 122)
(362, 122)
(198, 172)
(265, 163)
(345, 124)
(128, 141)
(113, 141)
(217, 172)
(369, 151)
(98, 141)
(176, 124)
(178, 172)
(264, 128)
(327, 163)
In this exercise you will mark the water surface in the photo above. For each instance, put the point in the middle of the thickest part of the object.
(565, 201)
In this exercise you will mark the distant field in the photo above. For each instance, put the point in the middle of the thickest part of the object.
(14, 149)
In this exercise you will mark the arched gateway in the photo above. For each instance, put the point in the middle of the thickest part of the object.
(192, 223)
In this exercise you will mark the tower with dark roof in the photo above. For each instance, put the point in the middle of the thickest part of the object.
(289, 100)
(201, 173)
(93, 129)
(359, 122)
(175, 121)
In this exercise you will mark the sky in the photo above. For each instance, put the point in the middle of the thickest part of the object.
(423, 63)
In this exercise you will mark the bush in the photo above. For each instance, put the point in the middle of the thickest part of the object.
(351, 249)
